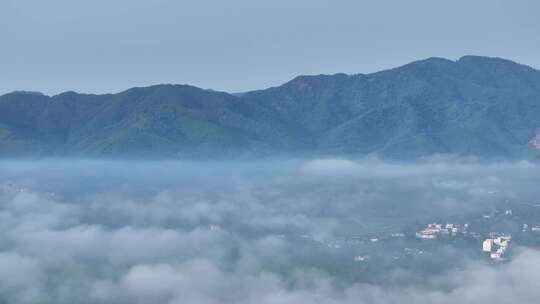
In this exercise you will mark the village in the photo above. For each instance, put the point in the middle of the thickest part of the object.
(491, 235)
(495, 246)
(494, 241)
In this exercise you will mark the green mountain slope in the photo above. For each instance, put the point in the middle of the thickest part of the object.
(473, 106)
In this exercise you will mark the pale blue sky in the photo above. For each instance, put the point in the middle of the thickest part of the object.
(237, 45)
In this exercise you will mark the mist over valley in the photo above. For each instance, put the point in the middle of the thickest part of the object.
(331, 230)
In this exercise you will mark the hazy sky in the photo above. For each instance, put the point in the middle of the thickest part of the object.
(237, 45)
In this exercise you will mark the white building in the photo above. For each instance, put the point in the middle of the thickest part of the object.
(487, 245)
(427, 235)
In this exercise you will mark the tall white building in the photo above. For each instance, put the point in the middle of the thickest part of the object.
(487, 245)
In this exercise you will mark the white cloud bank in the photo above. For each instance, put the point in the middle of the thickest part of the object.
(112, 233)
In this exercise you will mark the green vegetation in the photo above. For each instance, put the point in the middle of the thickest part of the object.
(473, 106)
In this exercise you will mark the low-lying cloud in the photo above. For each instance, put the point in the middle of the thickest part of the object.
(274, 231)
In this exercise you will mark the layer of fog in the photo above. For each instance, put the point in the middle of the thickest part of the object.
(184, 232)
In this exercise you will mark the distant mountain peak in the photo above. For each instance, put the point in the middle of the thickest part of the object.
(491, 61)
(319, 77)
(435, 60)
(22, 92)
(478, 58)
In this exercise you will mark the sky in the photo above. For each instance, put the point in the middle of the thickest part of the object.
(104, 46)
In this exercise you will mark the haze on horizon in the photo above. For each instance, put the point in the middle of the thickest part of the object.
(240, 45)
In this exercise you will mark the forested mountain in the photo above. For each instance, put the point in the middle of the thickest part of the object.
(473, 106)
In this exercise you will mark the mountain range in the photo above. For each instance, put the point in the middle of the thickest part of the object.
(481, 106)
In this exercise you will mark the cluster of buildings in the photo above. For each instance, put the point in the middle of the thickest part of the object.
(497, 247)
(413, 251)
(361, 258)
(533, 228)
(434, 230)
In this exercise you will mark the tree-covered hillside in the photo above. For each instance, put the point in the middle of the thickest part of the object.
(473, 106)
